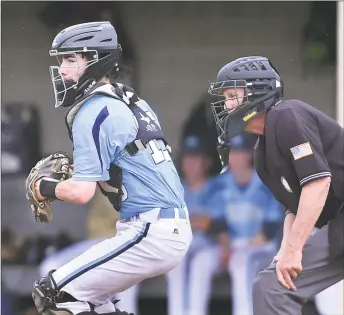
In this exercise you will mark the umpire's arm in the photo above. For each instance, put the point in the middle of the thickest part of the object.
(299, 140)
(311, 204)
(288, 224)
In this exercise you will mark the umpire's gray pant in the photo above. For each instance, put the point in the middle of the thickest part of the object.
(323, 266)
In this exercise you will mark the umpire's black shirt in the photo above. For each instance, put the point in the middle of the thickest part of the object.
(300, 144)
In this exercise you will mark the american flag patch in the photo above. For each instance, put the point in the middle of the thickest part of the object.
(301, 150)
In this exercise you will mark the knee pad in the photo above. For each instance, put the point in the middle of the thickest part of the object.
(45, 295)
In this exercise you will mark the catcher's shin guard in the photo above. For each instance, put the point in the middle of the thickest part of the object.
(45, 295)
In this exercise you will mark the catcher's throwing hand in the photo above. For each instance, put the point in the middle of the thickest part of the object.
(288, 267)
(51, 170)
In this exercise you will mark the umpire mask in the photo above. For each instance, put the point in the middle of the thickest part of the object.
(244, 88)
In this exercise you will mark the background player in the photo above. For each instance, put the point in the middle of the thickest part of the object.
(299, 156)
(190, 283)
(117, 142)
(254, 221)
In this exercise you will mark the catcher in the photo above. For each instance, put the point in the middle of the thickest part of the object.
(118, 145)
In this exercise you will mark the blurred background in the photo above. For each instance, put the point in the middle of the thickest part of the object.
(172, 52)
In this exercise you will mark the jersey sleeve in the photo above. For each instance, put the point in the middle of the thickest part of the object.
(299, 140)
(96, 142)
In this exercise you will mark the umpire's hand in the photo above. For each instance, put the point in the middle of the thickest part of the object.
(288, 266)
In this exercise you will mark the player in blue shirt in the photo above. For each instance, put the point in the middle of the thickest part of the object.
(119, 145)
(253, 218)
(190, 283)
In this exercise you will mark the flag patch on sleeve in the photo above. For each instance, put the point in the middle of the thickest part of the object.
(301, 150)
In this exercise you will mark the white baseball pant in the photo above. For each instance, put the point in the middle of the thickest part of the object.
(149, 245)
(331, 300)
(189, 285)
(244, 264)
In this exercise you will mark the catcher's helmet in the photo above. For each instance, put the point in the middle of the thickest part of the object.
(96, 40)
(263, 88)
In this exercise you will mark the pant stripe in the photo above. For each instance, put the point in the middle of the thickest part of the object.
(93, 264)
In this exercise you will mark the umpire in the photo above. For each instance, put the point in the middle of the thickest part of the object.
(299, 155)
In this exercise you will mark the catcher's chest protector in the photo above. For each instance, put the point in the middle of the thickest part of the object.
(147, 130)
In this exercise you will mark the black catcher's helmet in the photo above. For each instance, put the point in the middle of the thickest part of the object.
(97, 41)
(263, 88)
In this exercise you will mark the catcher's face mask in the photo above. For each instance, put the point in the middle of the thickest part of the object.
(66, 77)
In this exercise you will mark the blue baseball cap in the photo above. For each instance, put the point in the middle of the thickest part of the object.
(241, 142)
(195, 144)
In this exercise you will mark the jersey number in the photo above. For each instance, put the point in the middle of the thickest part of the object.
(158, 155)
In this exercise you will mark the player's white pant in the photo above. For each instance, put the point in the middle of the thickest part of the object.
(127, 299)
(139, 250)
(63, 256)
(189, 284)
(331, 300)
(244, 265)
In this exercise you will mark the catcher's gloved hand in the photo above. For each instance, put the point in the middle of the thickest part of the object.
(56, 167)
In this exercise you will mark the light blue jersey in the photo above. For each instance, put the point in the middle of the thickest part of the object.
(101, 130)
(197, 200)
(246, 209)
(201, 202)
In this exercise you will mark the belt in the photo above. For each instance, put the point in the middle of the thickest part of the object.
(156, 214)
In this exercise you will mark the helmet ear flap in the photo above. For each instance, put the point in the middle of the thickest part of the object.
(107, 66)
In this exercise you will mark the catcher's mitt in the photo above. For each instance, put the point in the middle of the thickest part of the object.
(56, 167)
